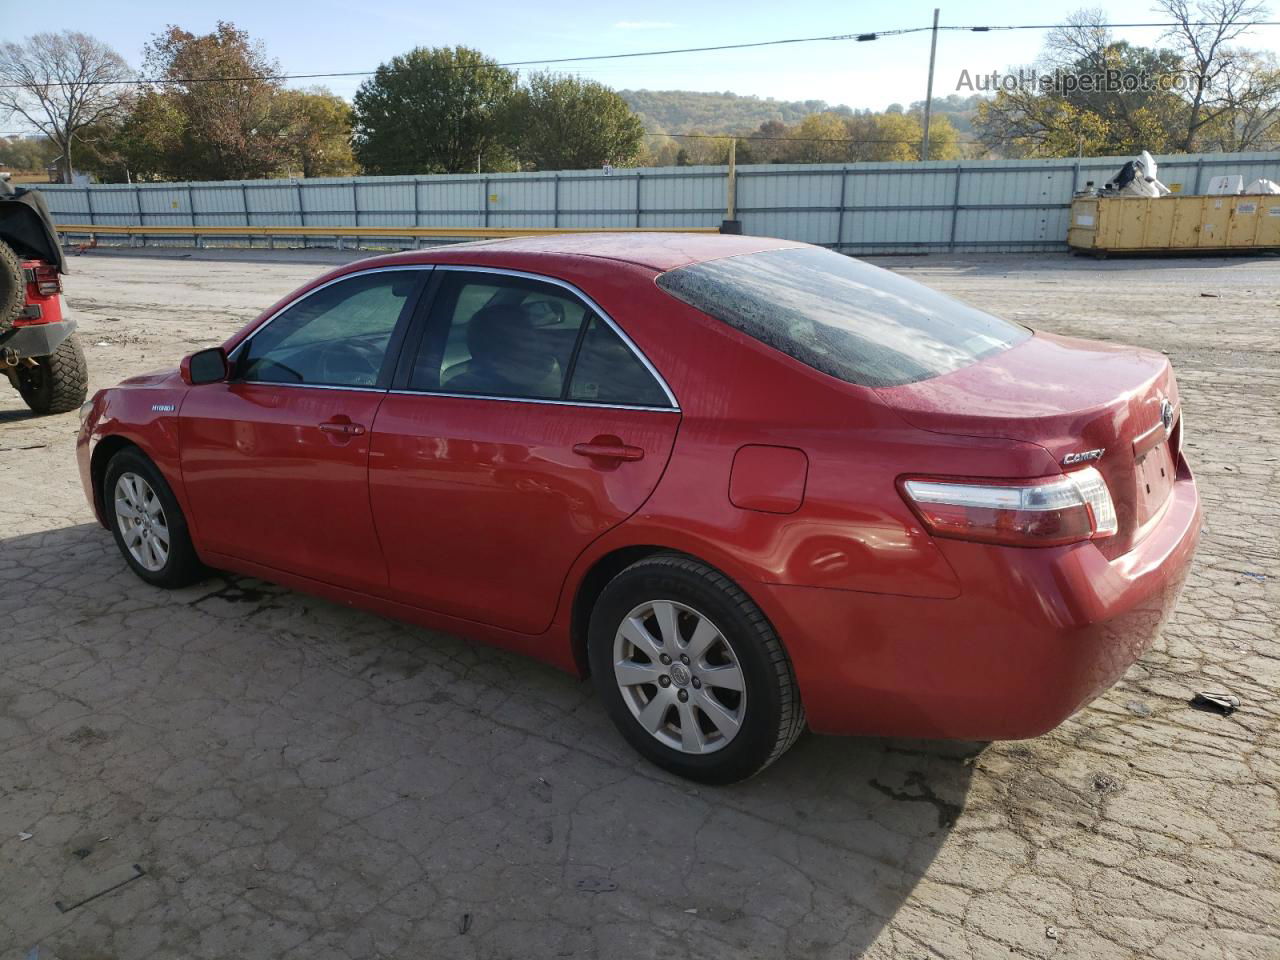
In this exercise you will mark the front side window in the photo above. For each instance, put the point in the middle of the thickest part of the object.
(494, 335)
(844, 317)
(337, 336)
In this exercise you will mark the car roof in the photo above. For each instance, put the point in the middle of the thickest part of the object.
(659, 251)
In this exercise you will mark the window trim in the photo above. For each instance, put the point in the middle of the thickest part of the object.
(398, 333)
(424, 315)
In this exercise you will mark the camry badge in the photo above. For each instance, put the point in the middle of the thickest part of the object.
(1083, 456)
(1166, 413)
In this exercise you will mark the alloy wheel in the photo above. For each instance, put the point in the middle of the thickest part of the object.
(679, 677)
(142, 522)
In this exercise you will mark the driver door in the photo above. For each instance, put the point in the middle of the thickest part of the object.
(275, 460)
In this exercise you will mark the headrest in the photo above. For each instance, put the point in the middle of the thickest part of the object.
(503, 338)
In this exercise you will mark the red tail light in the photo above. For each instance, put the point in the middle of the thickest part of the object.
(1046, 512)
(44, 279)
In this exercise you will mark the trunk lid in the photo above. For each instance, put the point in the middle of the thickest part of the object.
(1071, 397)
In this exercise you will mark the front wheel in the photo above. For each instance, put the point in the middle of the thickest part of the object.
(147, 522)
(691, 672)
(57, 383)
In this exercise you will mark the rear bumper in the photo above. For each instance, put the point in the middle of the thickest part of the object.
(1034, 636)
(36, 339)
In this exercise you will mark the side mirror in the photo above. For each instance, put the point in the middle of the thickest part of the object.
(205, 366)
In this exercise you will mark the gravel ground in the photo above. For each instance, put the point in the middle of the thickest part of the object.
(294, 779)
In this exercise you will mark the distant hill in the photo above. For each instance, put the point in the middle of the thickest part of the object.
(681, 111)
(959, 110)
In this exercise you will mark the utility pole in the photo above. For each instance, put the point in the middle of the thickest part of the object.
(731, 223)
(928, 97)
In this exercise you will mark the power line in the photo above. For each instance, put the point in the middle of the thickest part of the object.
(510, 63)
(752, 138)
(1106, 26)
(547, 61)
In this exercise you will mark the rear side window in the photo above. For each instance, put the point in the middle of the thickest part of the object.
(495, 335)
(606, 371)
(846, 318)
(502, 337)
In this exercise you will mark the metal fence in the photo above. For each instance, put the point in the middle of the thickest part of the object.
(986, 205)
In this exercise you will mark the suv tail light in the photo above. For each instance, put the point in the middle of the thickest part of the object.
(1046, 512)
(45, 279)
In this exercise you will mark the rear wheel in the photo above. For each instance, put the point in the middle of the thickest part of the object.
(147, 522)
(691, 671)
(57, 383)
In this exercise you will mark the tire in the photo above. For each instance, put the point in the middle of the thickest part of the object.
(684, 715)
(179, 565)
(13, 287)
(59, 382)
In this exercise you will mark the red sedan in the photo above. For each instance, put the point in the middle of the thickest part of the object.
(748, 485)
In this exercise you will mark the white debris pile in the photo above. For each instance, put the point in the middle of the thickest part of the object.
(1137, 178)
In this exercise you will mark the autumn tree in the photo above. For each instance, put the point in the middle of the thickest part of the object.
(440, 110)
(63, 84)
(896, 138)
(214, 112)
(562, 122)
(317, 132)
(150, 139)
(944, 140)
(27, 153)
(1200, 92)
(889, 137)
(657, 149)
(1062, 120)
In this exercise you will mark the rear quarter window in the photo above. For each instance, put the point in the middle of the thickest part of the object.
(846, 318)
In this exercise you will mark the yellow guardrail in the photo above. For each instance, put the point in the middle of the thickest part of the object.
(86, 229)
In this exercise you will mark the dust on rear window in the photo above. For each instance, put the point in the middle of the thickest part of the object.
(844, 317)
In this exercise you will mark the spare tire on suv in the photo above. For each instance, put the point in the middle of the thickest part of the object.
(13, 287)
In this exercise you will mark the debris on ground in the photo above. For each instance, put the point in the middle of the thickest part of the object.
(1105, 783)
(596, 885)
(24, 836)
(1223, 703)
(1051, 933)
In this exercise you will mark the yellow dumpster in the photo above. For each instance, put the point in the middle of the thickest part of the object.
(1103, 225)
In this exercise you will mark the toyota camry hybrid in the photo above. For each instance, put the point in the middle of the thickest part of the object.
(750, 486)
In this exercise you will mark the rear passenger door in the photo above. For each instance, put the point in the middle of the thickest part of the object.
(521, 426)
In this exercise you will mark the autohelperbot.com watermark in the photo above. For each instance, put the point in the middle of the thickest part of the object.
(1074, 81)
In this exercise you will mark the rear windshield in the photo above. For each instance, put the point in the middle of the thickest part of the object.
(846, 318)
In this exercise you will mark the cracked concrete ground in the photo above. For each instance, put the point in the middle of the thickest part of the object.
(300, 780)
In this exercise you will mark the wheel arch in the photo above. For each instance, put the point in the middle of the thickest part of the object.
(613, 561)
(106, 448)
(592, 584)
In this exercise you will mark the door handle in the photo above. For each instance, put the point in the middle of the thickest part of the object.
(608, 448)
(343, 428)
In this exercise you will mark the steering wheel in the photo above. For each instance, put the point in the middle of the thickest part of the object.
(350, 363)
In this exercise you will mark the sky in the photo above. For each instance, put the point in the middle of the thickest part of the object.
(319, 36)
